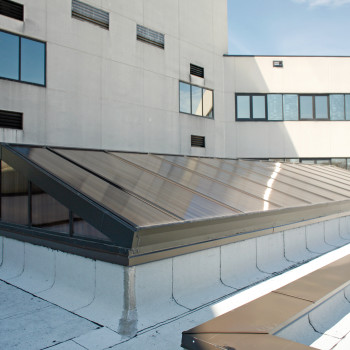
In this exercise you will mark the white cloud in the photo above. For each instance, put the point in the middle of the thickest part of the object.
(313, 3)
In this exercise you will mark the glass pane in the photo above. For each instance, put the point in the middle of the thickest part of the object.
(48, 213)
(306, 110)
(293, 160)
(148, 186)
(339, 162)
(307, 161)
(83, 229)
(321, 107)
(274, 107)
(14, 196)
(243, 107)
(9, 56)
(197, 100)
(323, 161)
(32, 61)
(230, 190)
(347, 107)
(259, 107)
(208, 103)
(348, 163)
(336, 107)
(185, 98)
(290, 107)
(117, 200)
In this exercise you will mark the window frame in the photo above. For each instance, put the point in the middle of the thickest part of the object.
(299, 97)
(20, 59)
(202, 88)
(251, 106)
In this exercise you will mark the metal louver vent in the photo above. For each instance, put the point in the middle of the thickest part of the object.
(11, 120)
(197, 141)
(150, 36)
(11, 9)
(196, 70)
(90, 14)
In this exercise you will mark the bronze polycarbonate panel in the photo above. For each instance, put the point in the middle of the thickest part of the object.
(152, 188)
(271, 180)
(331, 172)
(262, 189)
(301, 181)
(315, 173)
(318, 284)
(112, 198)
(239, 342)
(232, 197)
(259, 316)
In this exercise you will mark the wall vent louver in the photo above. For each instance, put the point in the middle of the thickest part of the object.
(91, 14)
(11, 9)
(150, 36)
(11, 120)
(197, 141)
(196, 70)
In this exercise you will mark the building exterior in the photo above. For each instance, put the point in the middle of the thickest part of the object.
(106, 84)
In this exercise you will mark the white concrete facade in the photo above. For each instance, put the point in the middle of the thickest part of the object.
(107, 90)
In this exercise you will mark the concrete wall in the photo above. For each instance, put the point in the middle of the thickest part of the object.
(105, 89)
(289, 139)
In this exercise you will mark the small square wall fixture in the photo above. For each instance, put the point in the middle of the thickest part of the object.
(277, 64)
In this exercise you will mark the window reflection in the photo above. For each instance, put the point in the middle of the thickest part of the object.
(321, 107)
(32, 61)
(336, 107)
(48, 213)
(274, 107)
(243, 107)
(185, 98)
(290, 107)
(196, 100)
(208, 103)
(306, 110)
(259, 107)
(83, 229)
(14, 196)
(26, 64)
(9, 56)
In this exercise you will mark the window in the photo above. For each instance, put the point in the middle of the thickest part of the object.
(274, 107)
(337, 107)
(150, 36)
(196, 100)
(91, 14)
(287, 107)
(22, 59)
(250, 107)
(306, 107)
(11, 120)
(11, 9)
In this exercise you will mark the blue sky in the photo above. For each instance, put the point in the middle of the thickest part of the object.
(289, 27)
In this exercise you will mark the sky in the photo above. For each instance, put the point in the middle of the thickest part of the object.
(289, 27)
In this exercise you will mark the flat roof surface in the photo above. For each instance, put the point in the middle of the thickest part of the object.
(28, 322)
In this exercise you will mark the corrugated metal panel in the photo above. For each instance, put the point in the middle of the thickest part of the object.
(11, 9)
(89, 13)
(11, 120)
(150, 36)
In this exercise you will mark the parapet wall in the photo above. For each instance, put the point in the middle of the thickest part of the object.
(130, 299)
